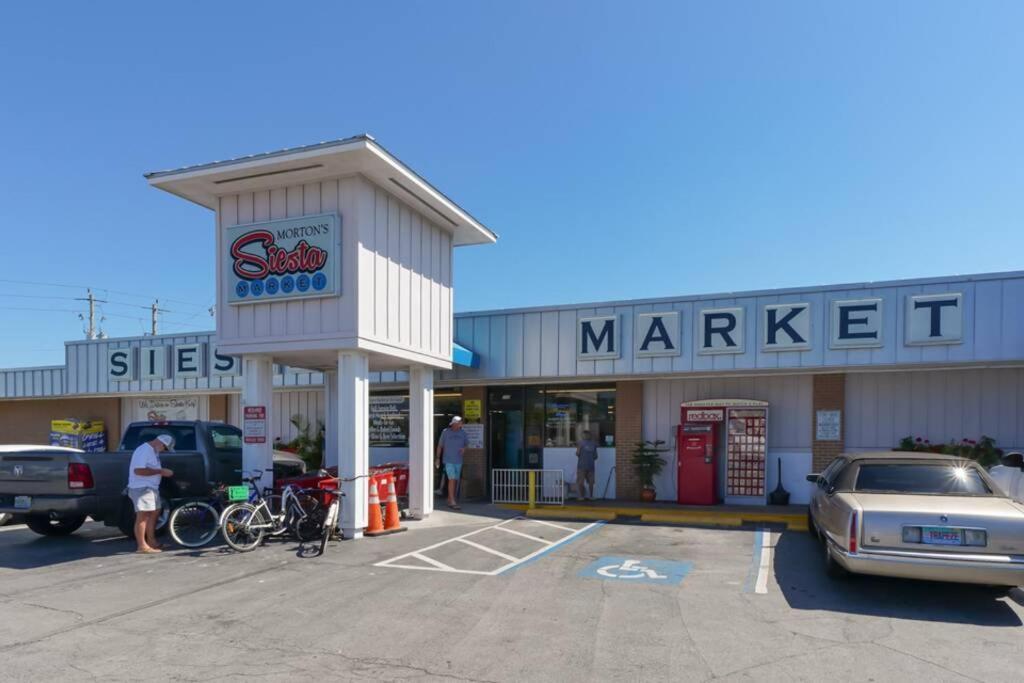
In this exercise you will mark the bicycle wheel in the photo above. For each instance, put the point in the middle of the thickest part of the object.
(307, 528)
(236, 527)
(330, 521)
(194, 524)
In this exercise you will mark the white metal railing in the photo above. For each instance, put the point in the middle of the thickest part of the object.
(546, 487)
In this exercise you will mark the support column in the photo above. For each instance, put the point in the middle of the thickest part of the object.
(331, 418)
(352, 410)
(421, 441)
(258, 390)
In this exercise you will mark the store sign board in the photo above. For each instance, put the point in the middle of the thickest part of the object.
(254, 424)
(471, 409)
(169, 408)
(294, 258)
(187, 361)
(934, 319)
(705, 415)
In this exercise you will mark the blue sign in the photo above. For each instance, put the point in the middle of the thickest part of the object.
(637, 570)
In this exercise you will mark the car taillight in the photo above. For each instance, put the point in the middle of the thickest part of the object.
(79, 476)
(853, 532)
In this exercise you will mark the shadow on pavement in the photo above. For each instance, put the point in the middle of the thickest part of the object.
(800, 573)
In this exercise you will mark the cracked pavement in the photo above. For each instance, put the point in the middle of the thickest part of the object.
(87, 608)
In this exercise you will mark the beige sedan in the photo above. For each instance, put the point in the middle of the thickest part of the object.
(916, 516)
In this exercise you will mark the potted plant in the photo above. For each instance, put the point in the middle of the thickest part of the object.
(648, 463)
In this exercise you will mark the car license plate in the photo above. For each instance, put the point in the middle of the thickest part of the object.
(942, 535)
(23, 502)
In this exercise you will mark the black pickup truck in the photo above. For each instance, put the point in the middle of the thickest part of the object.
(57, 488)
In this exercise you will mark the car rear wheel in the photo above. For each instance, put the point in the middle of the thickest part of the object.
(44, 526)
(833, 569)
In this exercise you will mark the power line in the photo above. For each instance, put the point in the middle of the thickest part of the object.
(101, 289)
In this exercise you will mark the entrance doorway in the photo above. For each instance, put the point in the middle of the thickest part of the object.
(506, 417)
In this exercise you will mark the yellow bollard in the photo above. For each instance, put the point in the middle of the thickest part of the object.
(531, 482)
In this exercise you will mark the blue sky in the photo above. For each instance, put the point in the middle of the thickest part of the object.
(620, 150)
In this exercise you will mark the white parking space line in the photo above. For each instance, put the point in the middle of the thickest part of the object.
(551, 524)
(13, 527)
(492, 551)
(513, 561)
(520, 533)
(430, 560)
(765, 562)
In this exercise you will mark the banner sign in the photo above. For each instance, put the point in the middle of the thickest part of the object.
(389, 421)
(254, 424)
(292, 258)
(169, 408)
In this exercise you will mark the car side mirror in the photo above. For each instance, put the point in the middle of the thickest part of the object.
(813, 478)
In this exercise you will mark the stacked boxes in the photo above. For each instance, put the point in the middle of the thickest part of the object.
(88, 435)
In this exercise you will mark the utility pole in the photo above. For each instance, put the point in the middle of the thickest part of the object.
(154, 309)
(91, 331)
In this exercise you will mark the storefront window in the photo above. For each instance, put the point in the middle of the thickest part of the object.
(389, 416)
(571, 411)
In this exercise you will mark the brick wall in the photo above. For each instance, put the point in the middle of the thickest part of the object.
(28, 422)
(474, 467)
(829, 394)
(629, 406)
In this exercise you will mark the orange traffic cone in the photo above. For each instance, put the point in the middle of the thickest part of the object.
(375, 525)
(391, 515)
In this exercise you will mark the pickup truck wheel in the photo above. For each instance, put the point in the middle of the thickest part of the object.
(45, 526)
(126, 520)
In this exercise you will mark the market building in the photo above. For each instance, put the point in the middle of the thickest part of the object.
(334, 305)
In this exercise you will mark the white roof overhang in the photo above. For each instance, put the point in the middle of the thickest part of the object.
(205, 183)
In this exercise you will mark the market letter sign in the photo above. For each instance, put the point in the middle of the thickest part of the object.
(935, 319)
(657, 334)
(720, 330)
(597, 337)
(856, 323)
(286, 259)
(787, 327)
(120, 364)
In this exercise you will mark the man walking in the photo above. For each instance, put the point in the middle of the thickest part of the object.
(144, 473)
(450, 446)
(586, 456)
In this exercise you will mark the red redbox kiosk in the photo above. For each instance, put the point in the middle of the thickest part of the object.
(696, 453)
(721, 448)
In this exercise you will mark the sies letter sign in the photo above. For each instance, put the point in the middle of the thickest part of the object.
(286, 259)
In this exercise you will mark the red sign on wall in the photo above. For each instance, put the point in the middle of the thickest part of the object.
(254, 424)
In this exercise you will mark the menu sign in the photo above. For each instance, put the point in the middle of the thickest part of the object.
(389, 420)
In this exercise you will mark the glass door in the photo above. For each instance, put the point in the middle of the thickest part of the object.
(505, 424)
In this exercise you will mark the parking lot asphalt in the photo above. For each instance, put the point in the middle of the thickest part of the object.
(496, 599)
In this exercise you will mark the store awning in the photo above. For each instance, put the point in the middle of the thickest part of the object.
(463, 356)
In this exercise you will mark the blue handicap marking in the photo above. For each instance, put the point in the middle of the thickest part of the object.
(637, 570)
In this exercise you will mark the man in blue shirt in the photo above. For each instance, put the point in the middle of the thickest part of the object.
(586, 454)
(450, 446)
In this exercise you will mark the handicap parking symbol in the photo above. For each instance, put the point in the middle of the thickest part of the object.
(637, 570)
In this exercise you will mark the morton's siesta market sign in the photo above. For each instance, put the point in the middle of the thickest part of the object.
(292, 258)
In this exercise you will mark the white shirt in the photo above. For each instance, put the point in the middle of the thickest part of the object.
(144, 457)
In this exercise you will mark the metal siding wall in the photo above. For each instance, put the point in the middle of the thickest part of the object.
(789, 411)
(542, 342)
(938, 405)
(308, 403)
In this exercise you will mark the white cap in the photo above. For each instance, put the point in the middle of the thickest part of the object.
(167, 440)
(455, 420)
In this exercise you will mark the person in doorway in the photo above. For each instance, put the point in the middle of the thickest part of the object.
(586, 457)
(450, 446)
(144, 474)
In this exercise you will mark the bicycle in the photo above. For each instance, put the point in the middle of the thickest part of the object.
(244, 525)
(331, 518)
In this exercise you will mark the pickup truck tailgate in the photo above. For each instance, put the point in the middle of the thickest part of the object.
(27, 474)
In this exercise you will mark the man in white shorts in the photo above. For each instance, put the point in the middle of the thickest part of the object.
(144, 473)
